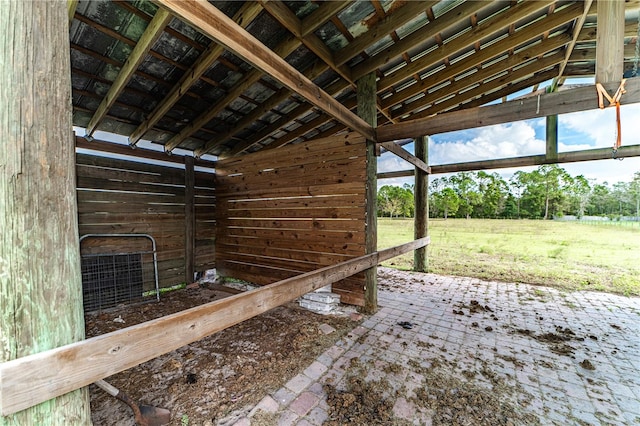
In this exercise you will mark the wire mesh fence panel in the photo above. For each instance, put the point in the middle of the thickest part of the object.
(111, 279)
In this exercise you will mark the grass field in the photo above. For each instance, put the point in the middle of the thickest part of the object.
(571, 256)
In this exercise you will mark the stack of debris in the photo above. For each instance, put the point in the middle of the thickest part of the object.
(321, 301)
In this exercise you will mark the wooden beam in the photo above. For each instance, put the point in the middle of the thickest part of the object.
(218, 26)
(485, 54)
(117, 148)
(590, 33)
(485, 29)
(366, 98)
(321, 15)
(406, 155)
(142, 48)
(577, 28)
(247, 13)
(509, 89)
(421, 195)
(189, 220)
(484, 87)
(528, 56)
(382, 29)
(440, 24)
(290, 21)
(625, 151)
(40, 278)
(574, 100)
(30, 380)
(610, 41)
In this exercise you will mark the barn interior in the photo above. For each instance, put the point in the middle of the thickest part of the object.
(249, 136)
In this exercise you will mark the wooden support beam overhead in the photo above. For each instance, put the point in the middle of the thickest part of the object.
(508, 90)
(610, 41)
(487, 53)
(578, 99)
(528, 55)
(321, 15)
(589, 54)
(485, 29)
(283, 49)
(590, 33)
(405, 44)
(577, 28)
(141, 49)
(406, 155)
(290, 21)
(489, 86)
(30, 380)
(247, 13)
(117, 148)
(627, 151)
(382, 29)
(219, 27)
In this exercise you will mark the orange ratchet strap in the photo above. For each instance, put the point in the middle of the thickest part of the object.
(615, 100)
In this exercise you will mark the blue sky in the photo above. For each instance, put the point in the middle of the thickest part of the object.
(577, 131)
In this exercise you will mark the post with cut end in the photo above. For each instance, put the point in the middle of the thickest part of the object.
(551, 153)
(40, 282)
(610, 41)
(189, 220)
(421, 195)
(368, 112)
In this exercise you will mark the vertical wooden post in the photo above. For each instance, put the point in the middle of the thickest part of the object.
(40, 279)
(189, 220)
(421, 195)
(552, 137)
(368, 112)
(610, 41)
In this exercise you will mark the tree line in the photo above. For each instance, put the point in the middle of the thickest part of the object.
(547, 192)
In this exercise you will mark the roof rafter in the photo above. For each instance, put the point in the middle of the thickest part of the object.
(433, 28)
(574, 100)
(497, 23)
(382, 29)
(485, 87)
(148, 38)
(247, 13)
(216, 24)
(321, 15)
(577, 28)
(484, 73)
(509, 42)
(290, 21)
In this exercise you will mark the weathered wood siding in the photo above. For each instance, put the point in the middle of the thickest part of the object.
(122, 197)
(286, 211)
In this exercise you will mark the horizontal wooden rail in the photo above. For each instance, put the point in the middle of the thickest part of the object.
(530, 160)
(30, 380)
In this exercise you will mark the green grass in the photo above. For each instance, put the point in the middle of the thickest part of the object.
(570, 256)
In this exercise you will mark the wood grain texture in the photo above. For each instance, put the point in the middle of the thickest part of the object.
(305, 212)
(40, 279)
(215, 24)
(30, 380)
(421, 191)
(573, 100)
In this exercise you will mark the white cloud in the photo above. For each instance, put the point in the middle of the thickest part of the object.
(499, 141)
(599, 126)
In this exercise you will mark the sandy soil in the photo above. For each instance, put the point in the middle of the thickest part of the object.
(214, 380)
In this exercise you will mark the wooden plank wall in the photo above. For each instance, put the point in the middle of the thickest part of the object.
(122, 197)
(286, 211)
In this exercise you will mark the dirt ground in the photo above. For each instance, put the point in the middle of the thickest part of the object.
(213, 380)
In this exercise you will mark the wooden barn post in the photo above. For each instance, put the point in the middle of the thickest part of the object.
(421, 193)
(189, 220)
(368, 112)
(610, 41)
(40, 280)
